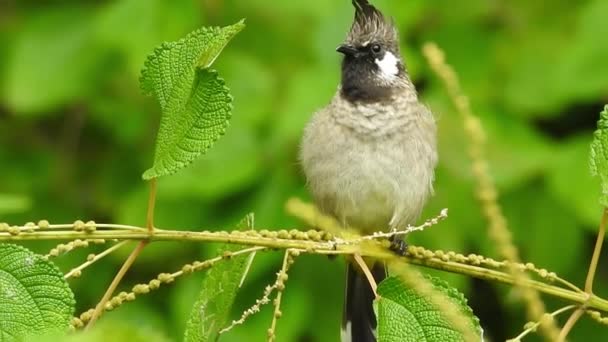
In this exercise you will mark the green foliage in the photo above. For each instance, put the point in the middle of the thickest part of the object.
(53, 62)
(211, 311)
(407, 316)
(75, 134)
(13, 203)
(196, 104)
(598, 158)
(34, 297)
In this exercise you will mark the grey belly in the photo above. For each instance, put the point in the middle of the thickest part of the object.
(370, 189)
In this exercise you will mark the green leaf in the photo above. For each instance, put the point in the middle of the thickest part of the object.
(34, 297)
(404, 315)
(195, 103)
(598, 158)
(210, 312)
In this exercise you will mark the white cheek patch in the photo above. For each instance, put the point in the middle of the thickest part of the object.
(388, 65)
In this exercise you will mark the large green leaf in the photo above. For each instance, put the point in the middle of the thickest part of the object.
(598, 158)
(195, 103)
(405, 315)
(211, 311)
(34, 297)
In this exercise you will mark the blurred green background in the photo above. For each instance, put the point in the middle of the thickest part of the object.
(76, 134)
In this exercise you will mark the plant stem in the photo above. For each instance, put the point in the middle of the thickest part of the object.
(570, 324)
(368, 274)
(319, 247)
(121, 273)
(95, 259)
(151, 205)
(533, 327)
(277, 301)
(596, 253)
(132, 257)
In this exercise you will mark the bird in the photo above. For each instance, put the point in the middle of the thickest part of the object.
(369, 156)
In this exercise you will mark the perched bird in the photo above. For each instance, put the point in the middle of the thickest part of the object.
(369, 156)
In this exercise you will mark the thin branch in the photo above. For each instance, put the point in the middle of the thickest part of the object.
(281, 279)
(368, 274)
(596, 253)
(121, 273)
(395, 233)
(532, 327)
(163, 278)
(64, 248)
(576, 315)
(76, 271)
(151, 205)
(457, 264)
(118, 226)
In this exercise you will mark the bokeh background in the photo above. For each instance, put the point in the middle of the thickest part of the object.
(76, 134)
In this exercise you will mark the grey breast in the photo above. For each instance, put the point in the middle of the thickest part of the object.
(370, 165)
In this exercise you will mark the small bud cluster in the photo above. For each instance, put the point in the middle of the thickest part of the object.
(478, 260)
(30, 227)
(67, 247)
(12, 230)
(87, 227)
(282, 278)
(279, 286)
(154, 284)
(597, 316)
(283, 234)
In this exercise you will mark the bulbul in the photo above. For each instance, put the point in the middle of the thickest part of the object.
(369, 156)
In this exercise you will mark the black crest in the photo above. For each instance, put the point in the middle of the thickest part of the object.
(372, 37)
(370, 24)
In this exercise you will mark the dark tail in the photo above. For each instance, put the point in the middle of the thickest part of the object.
(359, 320)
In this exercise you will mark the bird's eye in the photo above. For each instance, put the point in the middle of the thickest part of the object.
(376, 48)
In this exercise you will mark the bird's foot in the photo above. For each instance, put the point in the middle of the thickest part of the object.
(398, 245)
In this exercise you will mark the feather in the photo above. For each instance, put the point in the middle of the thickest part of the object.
(359, 320)
(369, 24)
(364, 8)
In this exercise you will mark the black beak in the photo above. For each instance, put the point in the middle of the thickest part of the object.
(348, 50)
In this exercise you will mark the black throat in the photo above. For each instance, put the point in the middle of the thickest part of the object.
(360, 83)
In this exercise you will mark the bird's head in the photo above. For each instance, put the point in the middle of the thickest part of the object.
(372, 66)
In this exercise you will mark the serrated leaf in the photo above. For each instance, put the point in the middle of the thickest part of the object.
(405, 315)
(211, 311)
(34, 297)
(598, 157)
(195, 103)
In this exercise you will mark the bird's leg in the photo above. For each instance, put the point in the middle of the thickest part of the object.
(398, 245)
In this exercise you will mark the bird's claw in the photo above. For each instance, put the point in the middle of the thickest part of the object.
(398, 245)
